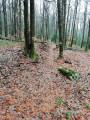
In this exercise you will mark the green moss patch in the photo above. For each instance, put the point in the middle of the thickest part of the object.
(27, 54)
(72, 75)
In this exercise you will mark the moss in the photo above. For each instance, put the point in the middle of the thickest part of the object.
(72, 75)
(61, 55)
(66, 71)
(35, 56)
(27, 54)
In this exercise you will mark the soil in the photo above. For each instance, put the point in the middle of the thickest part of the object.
(29, 90)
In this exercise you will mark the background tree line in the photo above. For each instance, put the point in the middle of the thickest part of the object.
(66, 22)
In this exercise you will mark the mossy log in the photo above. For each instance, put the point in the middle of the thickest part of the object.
(71, 74)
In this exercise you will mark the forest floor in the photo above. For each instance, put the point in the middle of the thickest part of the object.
(29, 90)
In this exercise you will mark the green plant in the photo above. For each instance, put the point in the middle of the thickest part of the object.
(86, 90)
(80, 103)
(59, 100)
(67, 114)
(69, 118)
(88, 106)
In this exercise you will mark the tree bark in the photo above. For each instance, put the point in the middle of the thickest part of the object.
(0, 20)
(84, 25)
(60, 25)
(15, 18)
(26, 27)
(32, 28)
(75, 14)
(20, 21)
(88, 39)
(64, 19)
(5, 18)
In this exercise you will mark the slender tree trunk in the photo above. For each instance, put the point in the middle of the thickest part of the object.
(43, 20)
(5, 18)
(12, 21)
(64, 19)
(75, 14)
(20, 21)
(32, 28)
(88, 39)
(67, 21)
(60, 15)
(26, 28)
(47, 27)
(9, 27)
(0, 21)
(56, 26)
(84, 25)
(15, 18)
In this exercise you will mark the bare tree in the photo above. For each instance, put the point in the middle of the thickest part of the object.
(64, 20)
(20, 20)
(88, 39)
(0, 19)
(5, 18)
(32, 29)
(85, 14)
(60, 25)
(74, 21)
(26, 28)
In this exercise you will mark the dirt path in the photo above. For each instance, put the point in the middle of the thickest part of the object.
(51, 54)
(29, 91)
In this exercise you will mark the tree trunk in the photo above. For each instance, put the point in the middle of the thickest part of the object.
(5, 18)
(64, 19)
(15, 18)
(12, 21)
(26, 28)
(84, 25)
(75, 14)
(32, 28)
(67, 21)
(60, 15)
(43, 21)
(88, 39)
(20, 21)
(0, 21)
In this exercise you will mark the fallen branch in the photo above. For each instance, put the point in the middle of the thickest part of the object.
(74, 49)
(36, 41)
(10, 39)
(4, 38)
